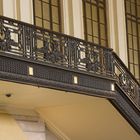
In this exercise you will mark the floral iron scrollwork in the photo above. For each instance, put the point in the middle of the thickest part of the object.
(72, 45)
(2, 34)
(127, 85)
(93, 63)
(90, 65)
(51, 51)
(123, 79)
(5, 39)
(72, 49)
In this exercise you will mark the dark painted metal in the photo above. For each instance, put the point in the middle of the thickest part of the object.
(35, 43)
(127, 81)
(15, 69)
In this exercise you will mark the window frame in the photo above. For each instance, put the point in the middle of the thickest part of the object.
(99, 2)
(133, 19)
(51, 22)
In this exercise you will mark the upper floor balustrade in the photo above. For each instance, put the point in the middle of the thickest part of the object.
(31, 42)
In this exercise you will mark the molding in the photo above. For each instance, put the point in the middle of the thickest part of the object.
(26, 14)
(9, 8)
(32, 61)
(16, 70)
(78, 18)
(18, 112)
(55, 130)
(56, 85)
(111, 24)
(121, 29)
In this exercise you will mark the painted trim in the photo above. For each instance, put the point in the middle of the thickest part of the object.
(26, 14)
(9, 8)
(121, 27)
(78, 19)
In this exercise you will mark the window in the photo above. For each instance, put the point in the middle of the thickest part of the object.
(132, 11)
(95, 26)
(47, 14)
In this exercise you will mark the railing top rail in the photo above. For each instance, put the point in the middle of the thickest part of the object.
(53, 32)
(121, 62)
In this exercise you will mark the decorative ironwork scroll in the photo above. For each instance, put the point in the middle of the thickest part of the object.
(126, 81)
(31, 42)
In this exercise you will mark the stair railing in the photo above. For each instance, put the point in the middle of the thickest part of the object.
(126, 81)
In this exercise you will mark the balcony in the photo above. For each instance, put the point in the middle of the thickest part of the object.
(55, 59)
(36, 56)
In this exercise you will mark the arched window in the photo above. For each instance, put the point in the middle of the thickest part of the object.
(95, 25)
(47, 14)
(132, 11)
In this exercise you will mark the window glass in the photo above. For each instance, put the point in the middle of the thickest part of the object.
(95, 21)
(132, 10)
(47, 14)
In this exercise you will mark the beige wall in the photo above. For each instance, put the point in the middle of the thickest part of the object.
(9, 129)
(78, 18)
(120, 30)
(93, 120)
(10, 8)
(112, 26)
(18, 9)
(26, 14)
(67, 17)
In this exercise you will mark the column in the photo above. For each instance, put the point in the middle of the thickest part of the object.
(78, 19)
(26, 11)
(9, 8)
(66, 17)
(111, 25)
(121, 24)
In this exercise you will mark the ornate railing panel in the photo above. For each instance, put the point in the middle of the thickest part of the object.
(126, 81)
(31, 42)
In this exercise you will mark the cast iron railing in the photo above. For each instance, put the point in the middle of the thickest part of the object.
(126, 81)
(30, 42)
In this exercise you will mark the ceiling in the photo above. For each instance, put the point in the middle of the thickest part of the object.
(29, 97)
